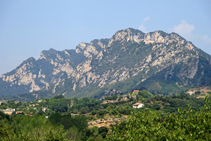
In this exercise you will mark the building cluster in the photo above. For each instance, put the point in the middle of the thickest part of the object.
(10, 111)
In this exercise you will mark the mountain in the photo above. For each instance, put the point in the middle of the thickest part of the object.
(130, 59)
(49, 70)
(134, 59)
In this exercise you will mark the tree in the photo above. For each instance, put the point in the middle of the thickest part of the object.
(73, 134)
(145, 94)
(103, 131)
(59, 97)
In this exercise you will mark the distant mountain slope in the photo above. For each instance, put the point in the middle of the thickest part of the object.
(51, 68)
(130, 59)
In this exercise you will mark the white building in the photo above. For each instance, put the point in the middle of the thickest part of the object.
(8, 111)
(40, 100)
(138, 105)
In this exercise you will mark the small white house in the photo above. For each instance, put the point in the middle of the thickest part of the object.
(40, 100)
(138, 105)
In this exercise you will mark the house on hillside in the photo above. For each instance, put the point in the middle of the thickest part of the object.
(8, 111)
(40, 100)
(19, 112)
(44, 109)
(138, 105)
(135, 91)
(32, 105)
(190, 92)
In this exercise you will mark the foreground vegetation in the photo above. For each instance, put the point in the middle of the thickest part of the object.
(151, 125)
(55, 127)
(68, 119)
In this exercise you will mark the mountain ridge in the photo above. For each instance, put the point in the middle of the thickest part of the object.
(134, 57)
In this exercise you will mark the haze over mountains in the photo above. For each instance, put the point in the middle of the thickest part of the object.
(130, 59)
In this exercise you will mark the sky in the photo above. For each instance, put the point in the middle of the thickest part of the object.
(29, 26)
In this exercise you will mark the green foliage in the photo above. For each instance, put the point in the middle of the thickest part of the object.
(73, 134)
(162, 120)
(85, 105)
(4, 116)
(145, 94)
(103, 131)
(188, 124)
(113, 97)
(60, 125)
(59, 97)
(69, 121)
(197, 92)
(57, 127)
(22, 127)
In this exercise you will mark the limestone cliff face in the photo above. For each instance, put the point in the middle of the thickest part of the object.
(131, 53)
(129, 59)
(92, 48)
(152, 37)
(49, 70)
(166, 49)
(23, 76)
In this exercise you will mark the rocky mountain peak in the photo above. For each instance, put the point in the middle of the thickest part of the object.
(155, 37)
(137, 36)
(160, 37)
(92, 48)
(46, 53)
(127, 35)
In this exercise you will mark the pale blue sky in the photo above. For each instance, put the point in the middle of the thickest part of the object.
(29, 26)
